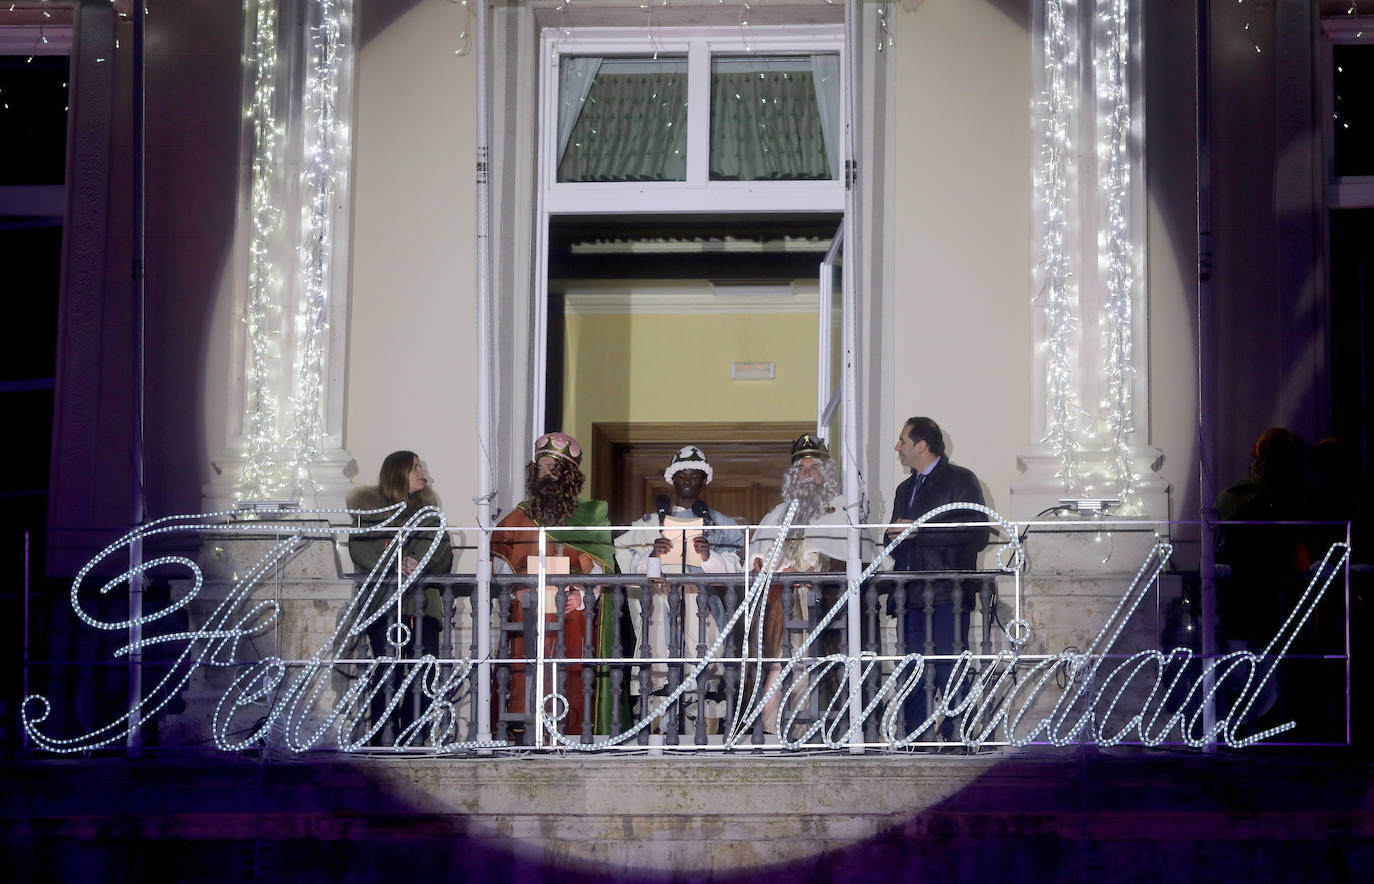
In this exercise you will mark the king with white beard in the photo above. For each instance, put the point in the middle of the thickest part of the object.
(823, 544)
(818, 541)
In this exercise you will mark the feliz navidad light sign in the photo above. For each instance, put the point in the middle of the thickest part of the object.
(1149, 697)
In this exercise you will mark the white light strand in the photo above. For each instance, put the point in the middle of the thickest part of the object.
(465, 35)
(1252, 6)
(1058, 286)
(885, 40)
(995, 695)
(284, 419)
(262, 475)
(324, 139)
(1117, 257)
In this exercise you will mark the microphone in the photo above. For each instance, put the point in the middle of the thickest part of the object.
(703, 512)
(663, 503)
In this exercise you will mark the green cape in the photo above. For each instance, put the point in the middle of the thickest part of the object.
(597, 544)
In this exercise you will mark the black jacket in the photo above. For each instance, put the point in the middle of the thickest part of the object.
(936, 549)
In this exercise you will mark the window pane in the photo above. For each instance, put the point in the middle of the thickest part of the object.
(31, 253)
(33, 119)
(775, 117)
(1354, 109)
(622, 119)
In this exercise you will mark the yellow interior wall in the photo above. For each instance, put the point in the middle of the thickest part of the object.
(661, 367)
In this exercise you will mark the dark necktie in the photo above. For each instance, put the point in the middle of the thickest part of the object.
(920, 480)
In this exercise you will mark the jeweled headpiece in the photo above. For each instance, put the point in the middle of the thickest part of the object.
(689, 457)
(808, 445)
(559, 445)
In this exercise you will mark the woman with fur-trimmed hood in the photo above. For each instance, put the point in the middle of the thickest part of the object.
(402, 479)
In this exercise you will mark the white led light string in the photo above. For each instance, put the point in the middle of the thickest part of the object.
(214, 644)
(285, 421)
(262, 475)
(1058, 287)
(291, 689)
(465, 35)
(324, 135)
(1117, 249)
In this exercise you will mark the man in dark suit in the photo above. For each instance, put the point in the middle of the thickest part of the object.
(935, 612)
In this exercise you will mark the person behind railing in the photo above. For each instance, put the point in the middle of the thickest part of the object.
(1275, 489)
(1340, 493)
(818, 541)
(645, 549)
(934, 482)
(1262, 568)
(553, 479)
(402, 479)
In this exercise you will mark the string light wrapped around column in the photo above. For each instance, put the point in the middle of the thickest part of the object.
(323, 141)
(262, 475)
(1058, 287)
(283, 412)
(1117, 252)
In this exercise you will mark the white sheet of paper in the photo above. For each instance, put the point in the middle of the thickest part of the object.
(681, 538)
(552, 565)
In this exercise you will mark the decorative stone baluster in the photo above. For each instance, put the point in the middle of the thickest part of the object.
(503, 672)
(646, 682)
(617, 672)
(928, 609)
(731, 648)
(670, 715)
(873, 644)
(987, 601)
(413, 649)
(699, 733)
(553, 668)
(899, 647)
(789, 622)
(473, 692)
(588, 685)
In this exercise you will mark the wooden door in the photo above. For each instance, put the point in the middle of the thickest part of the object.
(747, 460)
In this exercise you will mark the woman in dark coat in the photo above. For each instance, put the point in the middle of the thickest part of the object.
(402, 479)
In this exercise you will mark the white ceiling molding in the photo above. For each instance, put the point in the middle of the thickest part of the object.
(695, 246)
(801, 297)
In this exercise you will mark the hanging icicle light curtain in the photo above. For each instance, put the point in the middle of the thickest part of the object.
(1054, 180)
(323, 141)
(1093, 447)
(283, 410)
(262, 476)
(1117, 251)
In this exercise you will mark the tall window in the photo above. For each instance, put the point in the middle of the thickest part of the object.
(1348, 62)
(33, 118)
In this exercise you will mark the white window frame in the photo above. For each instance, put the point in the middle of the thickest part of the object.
(698, 193)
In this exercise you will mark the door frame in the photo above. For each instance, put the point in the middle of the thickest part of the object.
(607, 435)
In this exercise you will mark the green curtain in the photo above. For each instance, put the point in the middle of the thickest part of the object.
(765, 125)
(633, 127)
